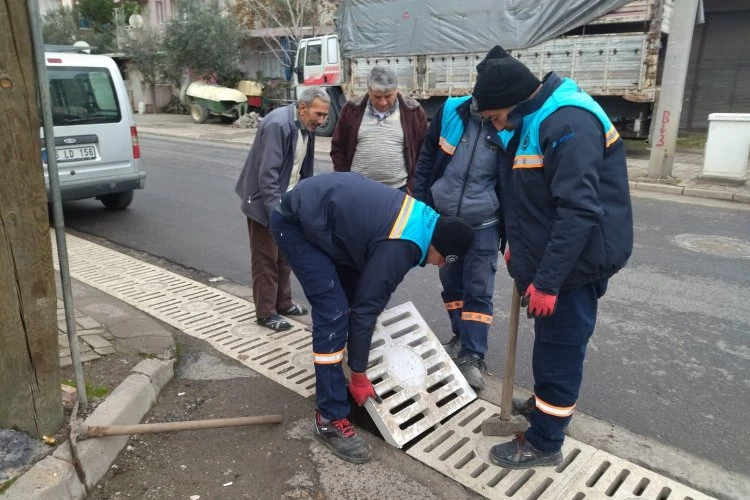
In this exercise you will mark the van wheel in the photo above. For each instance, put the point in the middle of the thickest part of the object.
(117, 201)
(199, 113)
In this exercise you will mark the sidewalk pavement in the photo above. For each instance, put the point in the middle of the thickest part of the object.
(686, 172)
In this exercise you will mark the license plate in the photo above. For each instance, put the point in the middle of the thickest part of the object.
(79, 153)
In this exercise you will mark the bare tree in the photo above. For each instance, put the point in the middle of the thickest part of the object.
(274, 20)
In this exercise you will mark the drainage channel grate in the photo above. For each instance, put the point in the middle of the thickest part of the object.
(418, 382)
(407, 363)
(225, 321)
(459, 450)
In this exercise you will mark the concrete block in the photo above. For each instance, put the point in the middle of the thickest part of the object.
(660, 188)
(49, 479)
(88, 323)
(127, 404)
(741, 197)
(89, 356)
(160, 372)
(713, 194)
(96, 341)
(93, 331)
(65, 361)
(105, 351)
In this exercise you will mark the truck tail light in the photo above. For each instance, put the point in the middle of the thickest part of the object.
(134, 140)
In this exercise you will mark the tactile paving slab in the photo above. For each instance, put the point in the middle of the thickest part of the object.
(225, 321)
(418, 382)
(459, 450)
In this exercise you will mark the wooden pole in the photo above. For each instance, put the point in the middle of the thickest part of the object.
(190, 425)
(509, 378)
(29, 359)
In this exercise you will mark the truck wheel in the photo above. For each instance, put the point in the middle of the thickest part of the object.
(199, 113)
(326, 130)
(117, 201)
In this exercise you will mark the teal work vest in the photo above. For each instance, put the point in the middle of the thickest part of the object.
(530, 154)
(451, 125)
(415, 223)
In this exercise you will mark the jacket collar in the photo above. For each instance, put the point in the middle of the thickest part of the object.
(550, 83)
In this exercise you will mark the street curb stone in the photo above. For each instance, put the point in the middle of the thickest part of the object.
(707, 193)
(660, 188)
(54, 477)
(741, 197)
(49, 479)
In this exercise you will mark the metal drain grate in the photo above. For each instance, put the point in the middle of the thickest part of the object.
(418, 382)
(459, 450)
(225, 321)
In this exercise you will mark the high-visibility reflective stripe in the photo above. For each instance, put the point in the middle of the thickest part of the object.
(448, 148)
(555, 411)
(328, 358)
(528, 161)
(454, 305)
(472, 316)
(403, 216)
(612, 136)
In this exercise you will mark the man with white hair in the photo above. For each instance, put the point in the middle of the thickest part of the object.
(380, 134)
(281, 155)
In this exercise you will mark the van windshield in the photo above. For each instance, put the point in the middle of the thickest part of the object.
(82, 96)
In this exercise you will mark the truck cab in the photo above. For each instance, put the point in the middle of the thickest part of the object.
(318, 64)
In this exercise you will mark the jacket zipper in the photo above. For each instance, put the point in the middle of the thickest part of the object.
(468, 168)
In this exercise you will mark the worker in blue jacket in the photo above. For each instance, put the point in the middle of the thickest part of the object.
(350, 241)
(569, 225)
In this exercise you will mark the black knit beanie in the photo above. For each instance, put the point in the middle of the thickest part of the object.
(502, 81)
(452, 238)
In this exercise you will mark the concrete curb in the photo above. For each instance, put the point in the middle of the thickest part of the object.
(55, 476)
(712, 194)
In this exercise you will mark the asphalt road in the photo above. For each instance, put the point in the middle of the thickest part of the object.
(670, 358)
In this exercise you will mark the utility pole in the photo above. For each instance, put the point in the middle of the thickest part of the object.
(669, 106)
(29, 359)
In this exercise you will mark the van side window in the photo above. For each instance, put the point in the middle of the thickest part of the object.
(82, 96)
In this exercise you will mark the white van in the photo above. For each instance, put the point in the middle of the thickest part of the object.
(95, 136)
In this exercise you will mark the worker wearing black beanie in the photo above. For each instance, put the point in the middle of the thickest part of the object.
(502, 81)
(569, 225)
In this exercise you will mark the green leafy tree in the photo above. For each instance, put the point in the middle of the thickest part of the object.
(60, 27)
(98, 12)
(204, 40)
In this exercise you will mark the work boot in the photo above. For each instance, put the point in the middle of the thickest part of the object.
(520, 454)
(471, 367)
(341, 438)
(453, 347)
(524, 407)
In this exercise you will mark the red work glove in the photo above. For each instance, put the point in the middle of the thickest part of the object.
(361, 389)
(507, 257)
(539, 304)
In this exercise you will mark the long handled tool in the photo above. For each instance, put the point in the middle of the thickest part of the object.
(506, 423)
(125, 430)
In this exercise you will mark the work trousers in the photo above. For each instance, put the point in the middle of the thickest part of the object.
(317, 274)
(272, 288)
(468, 286)
(557, 362)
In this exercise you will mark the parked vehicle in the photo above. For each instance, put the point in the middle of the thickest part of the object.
(96, 141)
(205, 99)
(615, 57)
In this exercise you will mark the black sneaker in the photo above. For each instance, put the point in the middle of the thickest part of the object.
(520, 454)
(471, 367)
(275, 322)
(295, 310)
(453, 347)
(341, 438)
(524, 407)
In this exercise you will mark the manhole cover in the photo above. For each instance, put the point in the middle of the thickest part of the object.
(714, 245)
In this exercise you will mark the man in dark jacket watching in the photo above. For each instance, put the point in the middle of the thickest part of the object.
(350, 242)
(281, 155)
(569, 225)
(457, 175)
(380, 134)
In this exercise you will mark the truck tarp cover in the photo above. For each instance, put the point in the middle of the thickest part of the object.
(383, 28)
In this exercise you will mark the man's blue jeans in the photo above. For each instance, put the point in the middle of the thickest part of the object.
(468, 286)
(559, 350)
(317, 274)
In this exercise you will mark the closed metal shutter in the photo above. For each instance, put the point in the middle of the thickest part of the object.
(718, 78)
